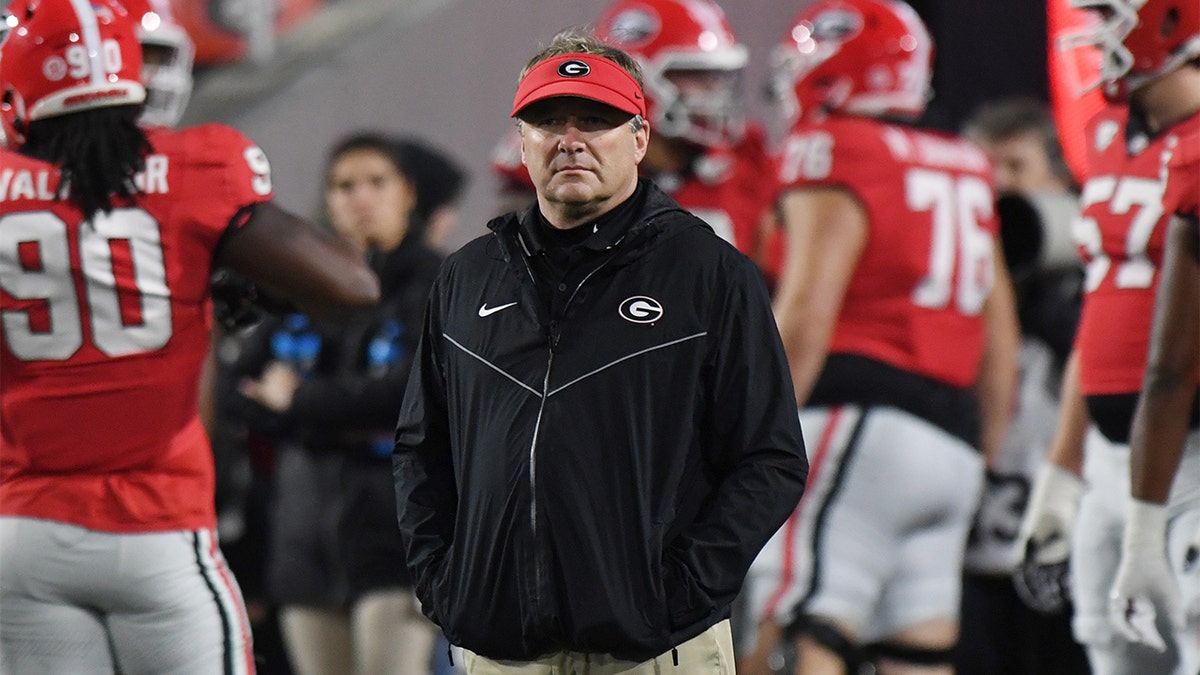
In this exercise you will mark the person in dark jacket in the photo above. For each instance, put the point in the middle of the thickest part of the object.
(599, 431)
(329, 400)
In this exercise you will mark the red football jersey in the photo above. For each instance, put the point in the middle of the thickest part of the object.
(105, 326)
(916, 295)
(732, 190)
(1134, 189)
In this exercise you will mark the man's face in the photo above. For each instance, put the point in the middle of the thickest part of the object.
(582, 155)
(1022, 165)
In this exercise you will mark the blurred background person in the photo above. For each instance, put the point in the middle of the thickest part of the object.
(1144, 173)
(1001, 632)
(438, 183)
(328, 400)
(167, 58)
(1020, 138)
(109, 557)
(897, 316)
(704, 153)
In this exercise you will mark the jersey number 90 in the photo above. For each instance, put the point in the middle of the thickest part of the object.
(35, 265)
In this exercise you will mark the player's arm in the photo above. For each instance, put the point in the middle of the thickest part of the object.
(1164, 410)
(1054, 501)
(997, 381)
(768, 223)
(826, 233)
(291, 258)
(1145, 583)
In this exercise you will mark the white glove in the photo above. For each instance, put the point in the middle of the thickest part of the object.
(1145, 582)
(1050, 515)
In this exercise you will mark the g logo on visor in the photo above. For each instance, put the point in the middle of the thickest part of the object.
(573, 68)
(641, 309)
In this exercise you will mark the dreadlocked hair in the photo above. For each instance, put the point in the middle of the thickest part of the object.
(97, 152)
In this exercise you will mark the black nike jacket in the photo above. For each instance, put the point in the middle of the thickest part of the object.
(600, 480)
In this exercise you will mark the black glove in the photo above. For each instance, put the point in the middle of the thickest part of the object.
(239, 303)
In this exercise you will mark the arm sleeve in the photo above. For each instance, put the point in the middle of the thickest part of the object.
(422, 466)
(228, 174)
(757, 454)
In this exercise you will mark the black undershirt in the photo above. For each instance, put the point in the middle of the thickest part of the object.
(1113, 415)
(561, 258)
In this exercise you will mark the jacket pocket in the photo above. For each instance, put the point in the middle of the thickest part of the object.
(687, 603)
(431, 590)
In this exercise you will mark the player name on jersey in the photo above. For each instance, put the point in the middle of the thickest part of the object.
(26, 184)
(933, 151)
(41, 184)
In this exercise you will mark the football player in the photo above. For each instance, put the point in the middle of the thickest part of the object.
(1144, 169)
(108, 234)
(897, 316)
(702, 152)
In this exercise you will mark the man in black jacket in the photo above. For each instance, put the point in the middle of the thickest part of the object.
(599, 431)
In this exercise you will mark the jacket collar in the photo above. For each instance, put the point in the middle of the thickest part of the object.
(644, 226)
(601, 234)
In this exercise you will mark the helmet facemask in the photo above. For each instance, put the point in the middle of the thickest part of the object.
(1137, 41)
(167, 56)
(1112, 22)
(698, 98)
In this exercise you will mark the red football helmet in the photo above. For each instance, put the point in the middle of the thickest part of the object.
(506, 163)
(1138, 40)
(690, 62)
(167, 55)
(866, 57)
(65, 56)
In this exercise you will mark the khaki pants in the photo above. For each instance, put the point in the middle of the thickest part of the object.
(384, 633)
(709, 653)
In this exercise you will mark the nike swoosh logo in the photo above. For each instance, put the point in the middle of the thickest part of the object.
(484, 310)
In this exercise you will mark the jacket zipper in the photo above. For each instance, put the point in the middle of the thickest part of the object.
(539, 572)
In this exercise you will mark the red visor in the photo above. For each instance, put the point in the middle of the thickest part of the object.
(583, 75)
